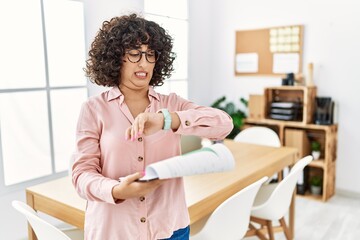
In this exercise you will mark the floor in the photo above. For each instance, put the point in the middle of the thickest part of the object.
(337, 219)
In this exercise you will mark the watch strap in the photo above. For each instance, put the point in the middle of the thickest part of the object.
(167, 118)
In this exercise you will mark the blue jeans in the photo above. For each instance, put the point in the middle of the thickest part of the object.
(181, 234)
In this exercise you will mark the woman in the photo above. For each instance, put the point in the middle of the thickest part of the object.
(126, 128)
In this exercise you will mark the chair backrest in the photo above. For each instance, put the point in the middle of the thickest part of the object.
(42, 229)
(279, 201)
(190, 143)
(230, 220)
(259, 135)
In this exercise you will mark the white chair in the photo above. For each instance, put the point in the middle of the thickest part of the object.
(273, 201)
(230, 220)
(43, 229)
(259, 135)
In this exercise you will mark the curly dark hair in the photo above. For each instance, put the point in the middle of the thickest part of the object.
(123, 33)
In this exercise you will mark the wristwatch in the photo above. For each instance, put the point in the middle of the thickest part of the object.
(167, 118)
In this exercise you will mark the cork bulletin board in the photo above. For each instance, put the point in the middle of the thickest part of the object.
(271, 51)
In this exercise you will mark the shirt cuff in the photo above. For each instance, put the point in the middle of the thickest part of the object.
(185, 120)
(108, 190)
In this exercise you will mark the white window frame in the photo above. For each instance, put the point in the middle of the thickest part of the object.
(167, 87)
(5, 189)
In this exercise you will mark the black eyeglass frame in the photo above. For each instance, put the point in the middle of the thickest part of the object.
(157, 55)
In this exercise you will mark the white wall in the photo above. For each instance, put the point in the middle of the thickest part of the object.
(12, 224)
(331, 41)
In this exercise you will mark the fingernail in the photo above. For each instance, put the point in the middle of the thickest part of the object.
(126, 137)
(139, 133)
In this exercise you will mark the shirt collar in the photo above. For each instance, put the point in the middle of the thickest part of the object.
(153, 94)
(116, 93)
(113, 93)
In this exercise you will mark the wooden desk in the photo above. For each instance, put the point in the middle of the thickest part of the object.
(203, 192)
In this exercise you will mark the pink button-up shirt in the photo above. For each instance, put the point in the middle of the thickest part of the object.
(103, 155)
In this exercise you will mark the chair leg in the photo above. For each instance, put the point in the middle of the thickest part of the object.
(285, 228)
(268, 225)
(254, 231)
(270, 229)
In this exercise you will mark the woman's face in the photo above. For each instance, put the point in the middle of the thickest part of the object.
(136, 74)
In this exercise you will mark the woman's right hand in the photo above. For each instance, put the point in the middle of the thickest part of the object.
(145, 123)
(129, 187)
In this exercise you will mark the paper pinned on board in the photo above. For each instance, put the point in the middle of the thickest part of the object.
(247, 63)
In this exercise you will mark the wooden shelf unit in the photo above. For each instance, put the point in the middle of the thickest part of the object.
(305, 96)
(303, 133)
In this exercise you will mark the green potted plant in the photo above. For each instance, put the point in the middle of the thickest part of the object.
(315, 184)
(315, 149)
(236, 114)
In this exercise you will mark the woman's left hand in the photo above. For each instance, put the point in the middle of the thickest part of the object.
(145, 123)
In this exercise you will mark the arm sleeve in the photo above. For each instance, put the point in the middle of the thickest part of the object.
(202, 121)
(86, 170)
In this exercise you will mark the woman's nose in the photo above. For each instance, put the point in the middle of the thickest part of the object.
(143, 61)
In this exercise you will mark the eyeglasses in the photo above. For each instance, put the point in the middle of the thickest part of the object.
(135, 55)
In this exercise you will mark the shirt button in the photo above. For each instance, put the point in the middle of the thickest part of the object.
(142, 219)
(140, 158)
(142, 198)
(140, 139)
(187, 123)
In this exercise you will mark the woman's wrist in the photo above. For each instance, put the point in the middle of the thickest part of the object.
(114, 193)
(175, 121)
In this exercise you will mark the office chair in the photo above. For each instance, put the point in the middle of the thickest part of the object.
(230, 220)
(43, 229)
(273, 201)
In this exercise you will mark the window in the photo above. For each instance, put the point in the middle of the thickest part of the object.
(41, 88)
(173, 16)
